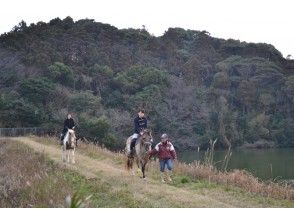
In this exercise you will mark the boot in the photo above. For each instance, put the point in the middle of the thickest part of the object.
(168, 175)
(162, 175)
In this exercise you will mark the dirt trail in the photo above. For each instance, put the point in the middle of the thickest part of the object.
(149, 190)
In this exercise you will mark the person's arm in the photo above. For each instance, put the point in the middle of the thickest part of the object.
(154, 151)
(136, 125)
(173, 152)
(73, 122)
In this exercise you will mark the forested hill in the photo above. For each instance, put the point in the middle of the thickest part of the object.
(193, 86)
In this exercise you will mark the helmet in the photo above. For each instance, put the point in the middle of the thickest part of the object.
(164, 136)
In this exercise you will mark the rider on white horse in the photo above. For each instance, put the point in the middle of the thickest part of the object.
(69, 123)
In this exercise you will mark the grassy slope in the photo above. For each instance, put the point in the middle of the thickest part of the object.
(102, 174)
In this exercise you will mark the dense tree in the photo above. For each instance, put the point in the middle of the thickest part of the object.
(37, 90)
(61, 73)
(84, 101)
(15, 111)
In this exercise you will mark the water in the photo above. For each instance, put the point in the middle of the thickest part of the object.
(277, 163)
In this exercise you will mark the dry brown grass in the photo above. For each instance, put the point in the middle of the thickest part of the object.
(239, 178)
(11, 184)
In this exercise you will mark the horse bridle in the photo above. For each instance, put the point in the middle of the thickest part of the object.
(147, 144)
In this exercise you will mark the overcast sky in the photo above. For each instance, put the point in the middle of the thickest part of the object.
(251, 20)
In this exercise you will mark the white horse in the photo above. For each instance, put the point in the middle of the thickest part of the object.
(68, 146)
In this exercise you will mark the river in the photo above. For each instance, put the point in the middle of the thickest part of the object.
(276, 163)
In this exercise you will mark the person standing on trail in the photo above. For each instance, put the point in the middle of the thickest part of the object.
(69, 123)
(166, 154)
(140, 123)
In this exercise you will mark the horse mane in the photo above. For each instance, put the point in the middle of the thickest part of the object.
(66, 137)
(140, 139)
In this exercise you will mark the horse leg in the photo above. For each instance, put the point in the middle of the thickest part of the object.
(143, 170)
(62, 154)
(130, 163)
(67, 156)
(73, 156)
(139, 169)
(70, 156)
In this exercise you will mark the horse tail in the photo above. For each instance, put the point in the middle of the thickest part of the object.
(130, 162)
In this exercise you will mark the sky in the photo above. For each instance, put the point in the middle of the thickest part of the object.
(257, 21)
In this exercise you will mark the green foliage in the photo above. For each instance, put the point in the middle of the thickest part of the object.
(15, 111)
(138, 77)
(101, 71)
(147, 98)
(113, 99)
(97, 128)
(246, 93)
(289, 87)
(221, 80)
(84, 101)
(110, 141)
(76, 201)
(143, 86)
(37, 90)
(61, 73)
(185, 180)
(8, 77)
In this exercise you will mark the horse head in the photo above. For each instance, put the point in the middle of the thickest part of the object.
(146, 139)
(72, 138)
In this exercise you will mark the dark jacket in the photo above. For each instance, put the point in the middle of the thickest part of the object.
(68, 124)
(140, 124)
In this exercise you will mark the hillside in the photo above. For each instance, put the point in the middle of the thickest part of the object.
(32, 175)
(194, 87)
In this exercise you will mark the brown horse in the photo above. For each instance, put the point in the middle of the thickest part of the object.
(68, 146)
(141, 154)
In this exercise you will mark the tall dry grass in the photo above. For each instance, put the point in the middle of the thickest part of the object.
(239, 178)
(9, 164)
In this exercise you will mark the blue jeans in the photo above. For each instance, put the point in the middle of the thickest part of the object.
(165, 163)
